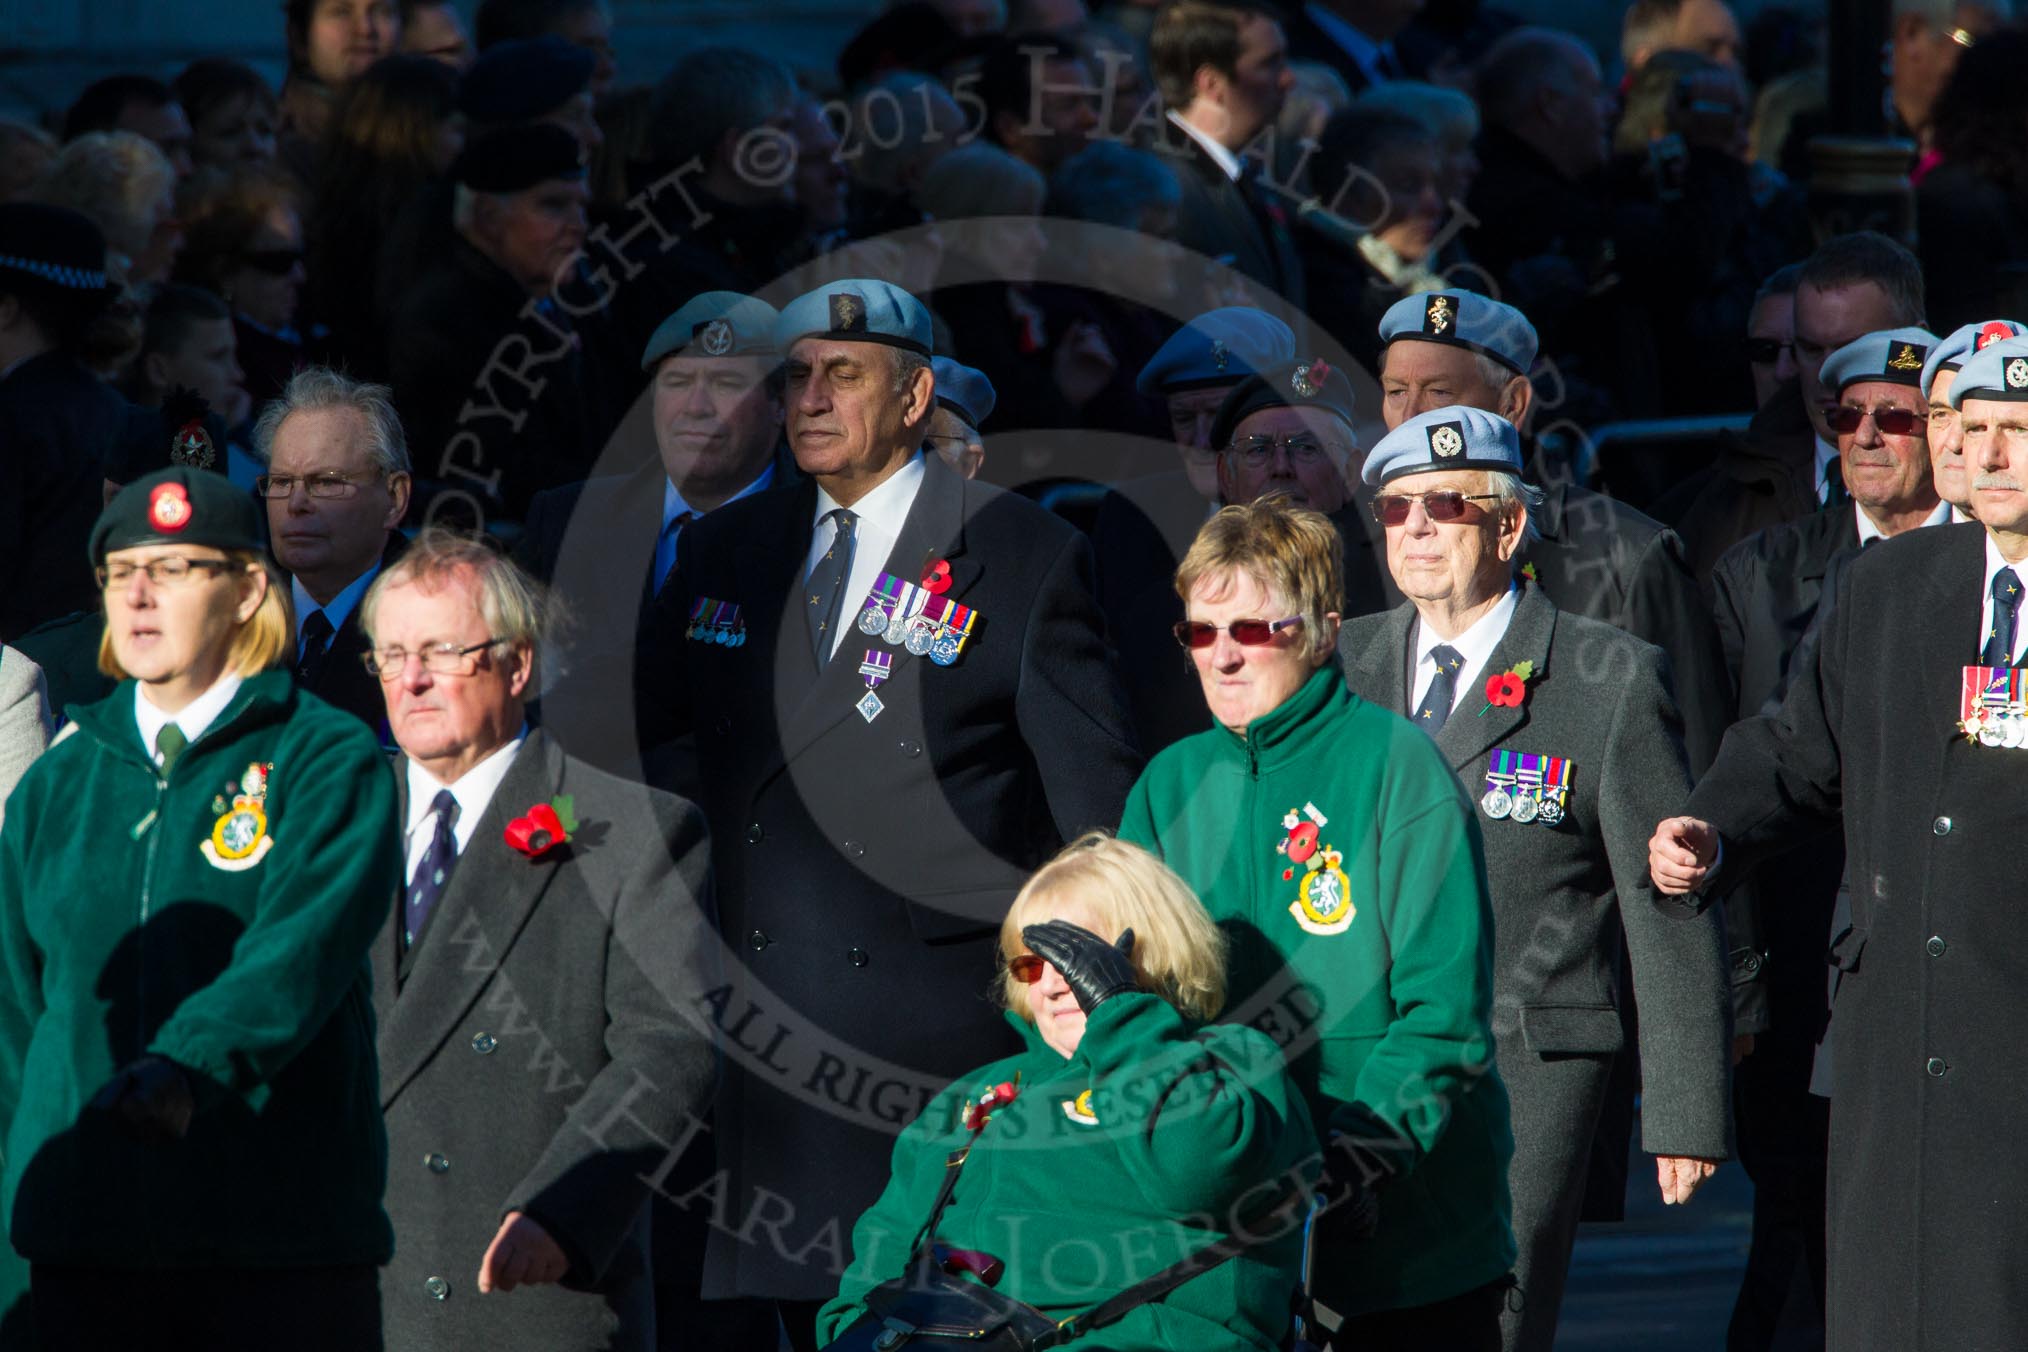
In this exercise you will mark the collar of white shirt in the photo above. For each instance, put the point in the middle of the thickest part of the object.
(473, 790)
(1826, 453)
(193, 718)
(674, 505)
(1960, 517)
(1475, 646)
(339, 608)
(1363, 50)
(1220, 156)
(1869, 532)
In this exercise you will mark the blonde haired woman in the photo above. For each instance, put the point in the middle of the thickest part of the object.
(1126, 1138)
(189, 880)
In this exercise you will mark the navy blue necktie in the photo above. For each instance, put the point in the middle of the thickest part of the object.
(1443, 689)
(316, 640)
(1999, 651)
(435, 870)
(826, 587)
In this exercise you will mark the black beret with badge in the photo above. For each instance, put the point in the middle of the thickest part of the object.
(177, 506)
(1457, 437)
(1308, 382)
(1464, 319)
(515, 159)
(184, 431)
(525, 79)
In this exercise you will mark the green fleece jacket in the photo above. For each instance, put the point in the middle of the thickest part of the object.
(220, 918)
(1145, 1146)
(1373, 970)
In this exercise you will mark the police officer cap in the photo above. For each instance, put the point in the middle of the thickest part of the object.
(55, 253)
(963, 391)
(1894, 356)
(1952, 353)
(715, 324)
(1218, 347)
(513, 159)
(1309, 382)
(523, 80)
(858, 310)
(1997, 371)
(1457, 437)
(1463, 319)
(177, 506)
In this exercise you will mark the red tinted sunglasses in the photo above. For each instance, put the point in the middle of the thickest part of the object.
(1895, 422)
(1446, 504)
(1246, 633)
(1026, 968)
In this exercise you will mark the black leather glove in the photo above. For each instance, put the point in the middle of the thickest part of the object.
(1094, 969)
(151, 1098)
(1348, 1182)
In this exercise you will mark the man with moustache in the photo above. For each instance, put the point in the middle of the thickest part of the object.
(1946, 430)
(903, 703)
(1904, 724)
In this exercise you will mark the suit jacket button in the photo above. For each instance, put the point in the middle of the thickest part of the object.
(754, 834)
(1935, 946)
(910, 747)
(1936, 1066)
(484, 1043)
(438, 1288)
(1942, 826)
(437, 1164)
(858, 957)
(756, 941)
(854, 850)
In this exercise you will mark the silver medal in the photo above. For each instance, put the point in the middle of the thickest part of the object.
(1551, 813)
(1991, 733)
(869, 706)
(1525, 808)
(1496, 803)
(872, 620)
(922, 636)
(2013, 731)
(895, 630)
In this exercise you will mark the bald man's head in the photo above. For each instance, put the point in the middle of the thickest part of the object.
(1546, 88)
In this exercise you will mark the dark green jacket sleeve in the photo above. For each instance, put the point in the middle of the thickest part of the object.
(334, 871)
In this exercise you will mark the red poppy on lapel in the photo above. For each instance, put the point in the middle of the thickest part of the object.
(543, 827)
(1507, 689)
(977, 1114)
(936, 577)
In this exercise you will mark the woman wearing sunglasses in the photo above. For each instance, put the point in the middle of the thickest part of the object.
(189, 881)
(1563, 733)
(1126, 1137)
(1330, 842)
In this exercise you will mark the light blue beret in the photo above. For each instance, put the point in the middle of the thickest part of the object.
(1997, 371)
(857, 310)
(1457, 437)
(963, 391)
(1952, 352)
(1218, 347)
(1464, 319)
(715, 324)
(1894, 356)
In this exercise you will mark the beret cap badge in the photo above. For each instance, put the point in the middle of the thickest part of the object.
(1447, 440)
(1307, 381)
(1994, 332)
(714, 337)
(192, 446)
(2016, 374)
(1907, 357)
(1437, 315)
(169, 508)
(848, 312)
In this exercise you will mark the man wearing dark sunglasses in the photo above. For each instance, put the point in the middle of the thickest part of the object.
(1563, 732)
(1891, 731)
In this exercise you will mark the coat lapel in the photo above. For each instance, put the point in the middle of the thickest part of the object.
(934, 529)
(1955, 608)
(1469, 733)
(1381, 665)
(487, 901)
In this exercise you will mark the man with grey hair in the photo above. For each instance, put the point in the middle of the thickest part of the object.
(1563, 731)
(1925, 40)
(532, 986)
(336, 486)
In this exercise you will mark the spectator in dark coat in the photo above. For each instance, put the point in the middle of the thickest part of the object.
(1969, 208)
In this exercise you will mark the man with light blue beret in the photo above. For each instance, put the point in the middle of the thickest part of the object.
(1145, 525)
(965, 399)
(1563, 732)
(903, 701)
(1946, 434)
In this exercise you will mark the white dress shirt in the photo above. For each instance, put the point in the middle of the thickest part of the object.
(336, 611)
(1994, 563)
(474, 791)
(1826, 453)
(1869, 532)
(880, 515)
(1475, 646)
(1220, 156)
(1960, 517)
(674, 505)
(193, 717)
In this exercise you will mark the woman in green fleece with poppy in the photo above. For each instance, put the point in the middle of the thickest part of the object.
(1125, 1138)
(1335, 848)
(189, 881)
